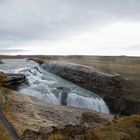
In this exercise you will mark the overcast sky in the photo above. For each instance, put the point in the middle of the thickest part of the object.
(91, 27)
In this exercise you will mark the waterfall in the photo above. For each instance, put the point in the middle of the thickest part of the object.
(53, 89)
(87, 102)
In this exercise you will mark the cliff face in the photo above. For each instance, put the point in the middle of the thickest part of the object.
(112, 88)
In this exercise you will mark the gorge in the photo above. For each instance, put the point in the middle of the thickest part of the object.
(53, 89)
(59, 100)
(112, 87)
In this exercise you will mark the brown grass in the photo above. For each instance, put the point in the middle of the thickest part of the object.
(1, 99)
(124, 67)
(4, 135)
(56, 136)
(2, 76)
(126, 128)
(41, 59)
(8, 107)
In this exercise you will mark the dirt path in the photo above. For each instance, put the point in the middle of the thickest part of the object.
(7, 124)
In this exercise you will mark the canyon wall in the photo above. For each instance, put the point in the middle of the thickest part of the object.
(112, 88)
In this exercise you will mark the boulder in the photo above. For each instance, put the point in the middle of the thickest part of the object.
(12, 81)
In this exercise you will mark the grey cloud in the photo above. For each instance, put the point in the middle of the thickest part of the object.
(12, 50)
(25, 20)
(133, 47)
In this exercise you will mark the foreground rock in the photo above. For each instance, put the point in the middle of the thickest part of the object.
(37, 120)
(12, 81)
(112, 88)
(124, 128)
(34, 119)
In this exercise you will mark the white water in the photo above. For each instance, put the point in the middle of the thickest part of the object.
(43, 85)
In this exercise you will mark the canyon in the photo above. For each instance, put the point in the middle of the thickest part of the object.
(35, 118)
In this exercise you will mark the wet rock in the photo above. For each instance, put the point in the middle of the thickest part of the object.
(56, 92)
(13, 81)
(63, 91)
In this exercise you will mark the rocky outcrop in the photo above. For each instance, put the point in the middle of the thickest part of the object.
(112, 88)
(12, 81)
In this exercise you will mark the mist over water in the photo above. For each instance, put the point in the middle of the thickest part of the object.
(51, 88)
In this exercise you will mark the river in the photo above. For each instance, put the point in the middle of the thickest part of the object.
(51, 88)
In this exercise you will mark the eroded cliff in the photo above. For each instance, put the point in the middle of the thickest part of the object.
(114, 89)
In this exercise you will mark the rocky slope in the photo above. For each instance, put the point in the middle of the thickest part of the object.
(113, 88)
(36, 118)
(124, 128)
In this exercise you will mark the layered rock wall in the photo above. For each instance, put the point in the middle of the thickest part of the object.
(112, 88)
